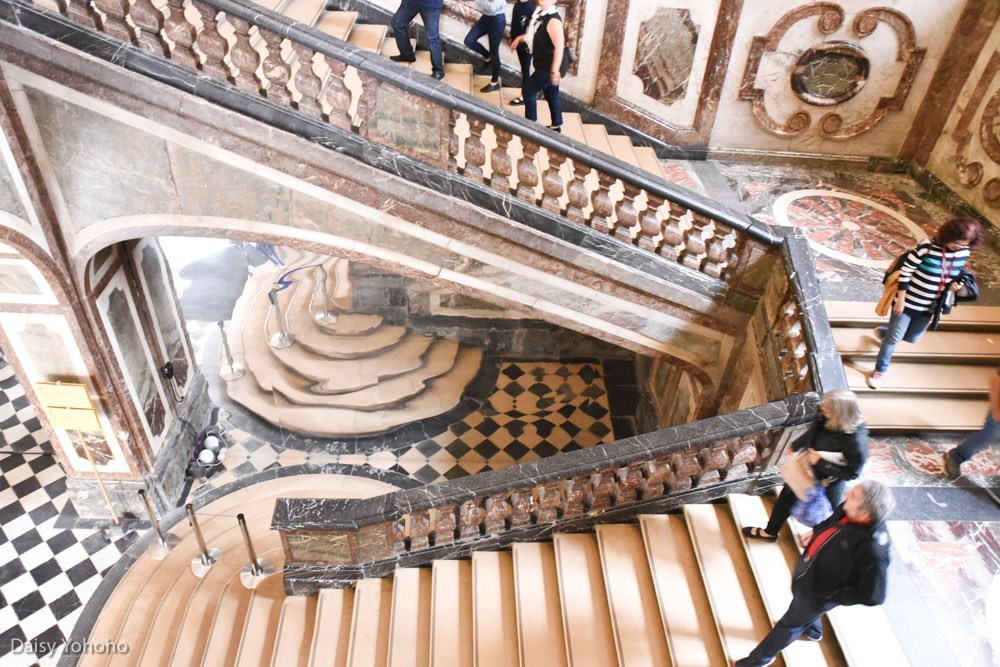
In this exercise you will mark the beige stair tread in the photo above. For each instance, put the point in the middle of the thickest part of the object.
(922, 413)
(340, 375)
(597, 137)
(621, 148)
(446, 391)
(337, 24)
(353, 324)
(451, 614)
(295, 632)
(343, 288)
(862, 313)
(773, 577)
(865, 635)
(410, 621)
(648, 160)
(494, 637)
(368, 36)
(736, 603)
(635, 615)
(423, 63)
(540, 637)
(224, 637)
(261, 626)
(586, 616)
(852, 342)
(459, 76)
(331, 636)
(389, 392)
(369, 646)
(573, 127)
(304, 11)
(911, 377)
(684, 605)
(309, 336)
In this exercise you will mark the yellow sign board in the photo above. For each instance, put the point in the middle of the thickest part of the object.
(68, 406)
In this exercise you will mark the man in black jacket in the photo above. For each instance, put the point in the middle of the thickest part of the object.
(844, 563)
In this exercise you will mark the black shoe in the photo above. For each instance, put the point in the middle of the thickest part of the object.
(517, 102)
(492, 86)
(439, 74)
(812, 636)
(403, 59)
(952, 467)
(556, 128)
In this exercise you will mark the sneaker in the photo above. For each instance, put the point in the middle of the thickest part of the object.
(439, 74)
(813, 636)
(403, 59)
(492, 86)
(952, 467)
(874, 379)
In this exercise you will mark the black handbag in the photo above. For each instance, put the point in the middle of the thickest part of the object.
(968, 292)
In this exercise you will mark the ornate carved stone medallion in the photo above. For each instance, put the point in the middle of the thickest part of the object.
(830, 73)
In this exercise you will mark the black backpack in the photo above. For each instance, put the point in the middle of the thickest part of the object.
(919, 251)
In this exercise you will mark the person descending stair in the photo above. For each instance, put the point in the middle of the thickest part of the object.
(519, 19)
(430, 14)
(547, 40)
(981, 439)
(923, 277)
(845, 562)
(491, 24)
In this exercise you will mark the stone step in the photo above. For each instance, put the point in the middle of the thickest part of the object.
(540, 636)
(586, 616)
(451, 614)
(922, 378)
(965, 317)
(261, 626)
(621, 148)
(495, 610)
(683, 601)
(773, 578)
(478, 82)
(369, 645)
(914, 413)
(331, 636)
(341, 300)
(337, 24)
(410, 621)
(368, 36)
(305, 11)
(648, 160)
(933, 346)
(639, 633)
(736, 604)
(295, 630)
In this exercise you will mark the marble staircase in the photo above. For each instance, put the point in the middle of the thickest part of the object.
(680, 590)
(353, 375)
(937, 384)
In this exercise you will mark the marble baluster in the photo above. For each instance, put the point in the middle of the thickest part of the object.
(601, 219)
(695, 243)
(552, 183)
(578, 193)
(577, 495)
(338, 96)
(715, 253)
(420, 530)
(399, 536)
(245, 58)
(444, 527)
(673, 233)
(180, 31)
(657, 478)
(454, 142)
(114, 20)
(307, 82)
(470, 519)
(630, 482)
(501, 161)
(148, 20)
(527, 172)
(498, 509)
(714, 462)
(549, 502)
(603, 488)
(275, 69)
(627, 227)
(366, 103)
(211, 43)
(475, 151)
(684, 469)
(650, 227)
(522, 508)
(82, 12)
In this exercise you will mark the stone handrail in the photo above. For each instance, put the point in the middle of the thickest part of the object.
(242, 44)
(335, 542)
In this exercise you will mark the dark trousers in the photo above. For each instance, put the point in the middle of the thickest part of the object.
(540, 81)
(491, 26)
(524, 57)
(786, 499)
(804, 613)
(408, 10)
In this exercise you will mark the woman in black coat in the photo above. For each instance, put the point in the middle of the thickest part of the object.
(836, 447)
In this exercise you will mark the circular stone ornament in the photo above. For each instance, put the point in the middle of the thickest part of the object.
(830, 73)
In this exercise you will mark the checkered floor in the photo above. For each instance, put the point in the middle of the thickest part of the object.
(46, 573)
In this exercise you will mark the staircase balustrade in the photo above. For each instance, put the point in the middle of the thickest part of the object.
(243, 44)
(333, 542)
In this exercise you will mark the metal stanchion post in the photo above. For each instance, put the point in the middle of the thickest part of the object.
(326, 315)
(233, 370)
(257, 568)
(203, 562)
(164, 542)
(282, 338)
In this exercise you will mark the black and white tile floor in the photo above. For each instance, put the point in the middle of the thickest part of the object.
(46, 573)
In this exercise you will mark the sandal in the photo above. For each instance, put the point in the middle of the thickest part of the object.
(756, 533)
(517, 102)
(556, 128)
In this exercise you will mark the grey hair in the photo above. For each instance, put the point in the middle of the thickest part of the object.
(878, 501)
(845, 415)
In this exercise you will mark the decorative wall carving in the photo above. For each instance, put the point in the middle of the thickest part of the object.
(830, 73)
(665, 53)
(829, 19)
(971, 172)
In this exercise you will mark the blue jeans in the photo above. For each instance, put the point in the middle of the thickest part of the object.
(493, 27)
(408, 9)
(541, 82)
(804, 613)
(909, 327)
(978, 441)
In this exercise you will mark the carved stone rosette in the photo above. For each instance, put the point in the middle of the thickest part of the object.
(829, 19)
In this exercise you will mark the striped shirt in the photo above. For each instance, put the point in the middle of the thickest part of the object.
(925, 278)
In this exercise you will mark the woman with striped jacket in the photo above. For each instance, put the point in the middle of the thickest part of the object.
(923, 277)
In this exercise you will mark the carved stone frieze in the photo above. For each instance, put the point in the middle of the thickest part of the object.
(971, 172)
(829, 19)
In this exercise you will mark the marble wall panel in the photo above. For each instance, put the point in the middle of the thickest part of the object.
(10, 201)
(22, 282)
(761, 111)
(162, 304)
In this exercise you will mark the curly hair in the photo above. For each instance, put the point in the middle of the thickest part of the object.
(960, 229)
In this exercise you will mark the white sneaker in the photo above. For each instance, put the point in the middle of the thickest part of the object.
(874, 379)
